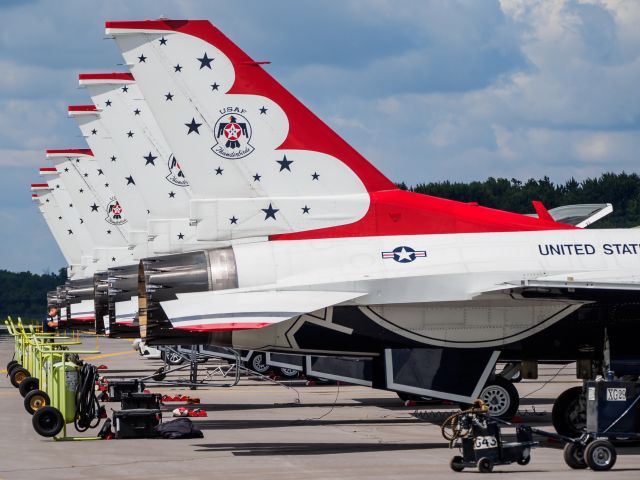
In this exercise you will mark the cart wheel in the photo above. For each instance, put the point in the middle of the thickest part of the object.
(28, 384)
(47, 421)
(159, 375)
(501, 397)
(13, 367)
(258, 363)
(569, 412)
(18, 375)
(485, 465)
(600, 455)
(35, 400)
(574, 456)
(456, 464)
(524, 460)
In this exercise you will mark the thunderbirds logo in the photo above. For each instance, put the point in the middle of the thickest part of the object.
(115, 213)
(233, 134)
(404, 254)
(175, 173)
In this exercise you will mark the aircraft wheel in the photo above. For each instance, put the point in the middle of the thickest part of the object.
(501, 397)
(456, 464)
(47, 421)
(35, 400)
(600, 455)
(289, 372)
(569, 412)
(11, 364)
(28, 384)
(18, 375)
(173, 358)
(574, 456)
(258, 363)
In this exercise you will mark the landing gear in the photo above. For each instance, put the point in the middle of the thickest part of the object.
(289, 372)
(173, 358)
(258, 363)
(501, 397)
(569, 413)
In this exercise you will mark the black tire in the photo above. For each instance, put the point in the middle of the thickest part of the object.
(569, 413)
(501, 397)
(159, 374)
(35, 400)
(600, 455)
(524, 460)
(11, 364)
(574, 456)
(456, 464)
(28, 384)
(258, 363)
(13, 367)
(18, 375)
(289, 372)
(173, 358)
(47, 421)
(485, 465)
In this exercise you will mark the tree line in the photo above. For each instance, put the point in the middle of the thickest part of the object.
(24, 294)
(621, 190)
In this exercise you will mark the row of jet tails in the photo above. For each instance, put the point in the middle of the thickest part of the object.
(211, 207)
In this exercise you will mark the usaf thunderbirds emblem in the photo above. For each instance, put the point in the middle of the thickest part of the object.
(115, 213)
(233, 134)
(175, 173)
(404, 254)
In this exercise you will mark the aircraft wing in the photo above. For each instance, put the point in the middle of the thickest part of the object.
(589, 280)
(597, 280)
(240, 310)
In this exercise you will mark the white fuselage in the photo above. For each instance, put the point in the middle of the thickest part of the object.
(457, 294)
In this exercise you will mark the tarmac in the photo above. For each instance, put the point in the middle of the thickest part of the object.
(262, 430)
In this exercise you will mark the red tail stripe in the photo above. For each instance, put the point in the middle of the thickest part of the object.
(106, 76)
(306, 131)
(82, 108)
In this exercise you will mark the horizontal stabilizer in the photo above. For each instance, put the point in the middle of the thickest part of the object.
(225, 311)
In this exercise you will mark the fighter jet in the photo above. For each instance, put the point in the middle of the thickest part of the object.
(321, 253)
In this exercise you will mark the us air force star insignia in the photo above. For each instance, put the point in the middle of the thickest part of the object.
(233, 134)
(404, 254)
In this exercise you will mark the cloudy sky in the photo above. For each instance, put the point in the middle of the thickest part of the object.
(427, 90)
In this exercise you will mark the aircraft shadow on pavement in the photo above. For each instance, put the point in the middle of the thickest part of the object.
(249, 424)
(259, 449)
(219, 407)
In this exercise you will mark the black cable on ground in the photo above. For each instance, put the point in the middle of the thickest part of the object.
(87, 405)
